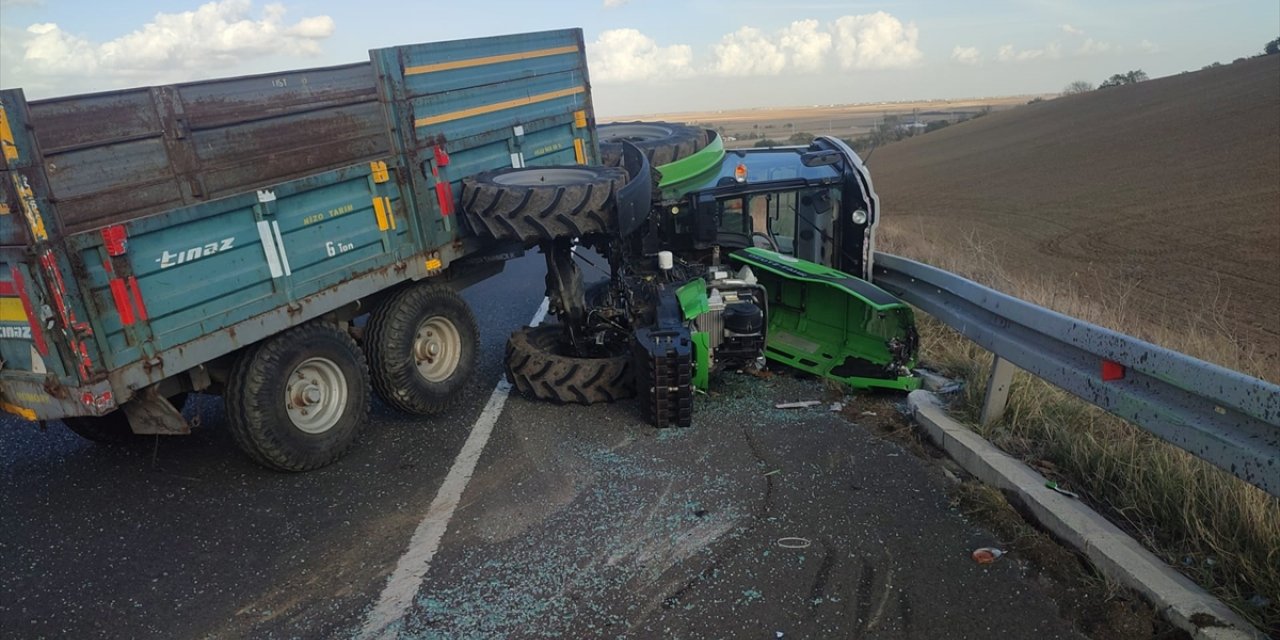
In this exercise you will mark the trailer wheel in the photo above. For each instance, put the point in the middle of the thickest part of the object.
(422, 345)
(663, 142)
(297, 401)
(538, 367)
(536, 204)
(112, 428)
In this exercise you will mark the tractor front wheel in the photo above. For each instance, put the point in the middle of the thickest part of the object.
(540, 366)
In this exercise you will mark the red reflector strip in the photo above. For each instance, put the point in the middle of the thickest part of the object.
(1112, 371)
(445, 195)
(137, 298)
(37, 332)
(442, 156)
(114, 237)
(121, 298)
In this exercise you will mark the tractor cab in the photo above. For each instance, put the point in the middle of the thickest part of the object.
(814, 203)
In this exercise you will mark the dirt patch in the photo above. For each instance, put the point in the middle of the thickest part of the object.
(1161, 197)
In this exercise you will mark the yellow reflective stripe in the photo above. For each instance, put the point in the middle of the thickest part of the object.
(580, 119)
(477, 62)
(20, 411)
(380, 209)
(578, 152)
(379, 170)
(7, 145)
(11, 310)
(29, 208)
(497, 106)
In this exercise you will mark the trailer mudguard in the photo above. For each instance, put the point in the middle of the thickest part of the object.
(831, 324)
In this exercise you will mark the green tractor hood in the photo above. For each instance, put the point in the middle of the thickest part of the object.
(831, 324)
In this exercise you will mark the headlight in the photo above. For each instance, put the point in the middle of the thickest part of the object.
(859, 216)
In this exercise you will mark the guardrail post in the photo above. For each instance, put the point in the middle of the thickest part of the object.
(997, 389)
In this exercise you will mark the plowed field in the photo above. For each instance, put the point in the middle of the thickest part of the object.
(1163, 197)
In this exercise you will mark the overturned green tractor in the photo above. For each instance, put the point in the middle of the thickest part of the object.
(717, 259)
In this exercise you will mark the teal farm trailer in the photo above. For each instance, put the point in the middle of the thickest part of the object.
(219, 236)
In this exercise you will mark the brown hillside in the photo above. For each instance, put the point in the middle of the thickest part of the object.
(1167, 191)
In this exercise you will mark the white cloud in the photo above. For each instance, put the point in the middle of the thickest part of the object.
(216, 35)
(1072, 31)
(1093, 47)
(871, 41)
(747, 52)
(807, 46)
(626, 55)
(1008, 53)
(966, 55)
(876, 41)
(613, 4)
(1147, 46)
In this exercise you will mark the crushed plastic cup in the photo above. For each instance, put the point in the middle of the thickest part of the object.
(987, 555)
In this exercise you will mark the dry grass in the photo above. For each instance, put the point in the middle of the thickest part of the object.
(1223, 533)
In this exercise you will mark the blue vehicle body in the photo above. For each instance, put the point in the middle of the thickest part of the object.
(148, 234)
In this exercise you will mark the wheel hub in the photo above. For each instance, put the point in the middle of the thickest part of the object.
(316, 395)
(437, 349)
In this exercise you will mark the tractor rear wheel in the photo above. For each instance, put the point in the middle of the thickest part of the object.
(663, 142)
(538, 204)
(539, 367)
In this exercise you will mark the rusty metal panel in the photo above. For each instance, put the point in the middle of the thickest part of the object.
(71, 122)
(283, 148)
(227, 101)
(118, 156)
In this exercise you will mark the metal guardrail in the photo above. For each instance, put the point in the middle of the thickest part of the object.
(1221, 416)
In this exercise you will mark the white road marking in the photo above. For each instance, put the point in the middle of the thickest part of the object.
(412, 567)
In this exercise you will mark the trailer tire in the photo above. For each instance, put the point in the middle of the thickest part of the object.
(114, 427)
(538, 368)
(537, 204)
(662, 142)
(422, 344)
(297, 401)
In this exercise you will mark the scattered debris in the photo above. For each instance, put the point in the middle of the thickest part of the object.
(951, 388)
(793, 543)
(987, 555)
(772, 472)
(837, 406)
(1054, 485)
(803, 404)
(870, 413)
(777, 634)
(932, 381)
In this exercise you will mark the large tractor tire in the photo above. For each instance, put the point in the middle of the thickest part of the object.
(538, 204)
(112, 428)
(663, 142)
(297, 401)
(422, 344)
(538, 367)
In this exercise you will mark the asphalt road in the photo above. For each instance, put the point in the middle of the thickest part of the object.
(578, 522)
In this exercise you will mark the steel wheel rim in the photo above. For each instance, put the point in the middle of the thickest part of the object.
(540, 176)
(315, 395)
(437, 349)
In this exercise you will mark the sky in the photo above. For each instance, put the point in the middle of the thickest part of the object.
(652, 56)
